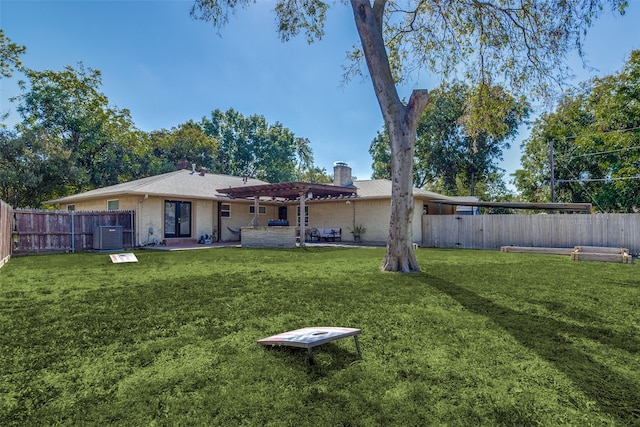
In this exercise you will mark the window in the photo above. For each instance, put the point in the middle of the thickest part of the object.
(306, 215)
(225, 210)
(113, 205)
(262, 210)
(71, 208)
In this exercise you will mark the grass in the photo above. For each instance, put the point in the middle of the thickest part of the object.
(477, 338)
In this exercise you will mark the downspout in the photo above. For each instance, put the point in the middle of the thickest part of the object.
(354, 214)
(139, 219)
(219, 221)
(133, 239)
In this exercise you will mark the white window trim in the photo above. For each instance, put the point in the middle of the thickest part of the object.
(262, 210)
(113, 200)
(228, 210)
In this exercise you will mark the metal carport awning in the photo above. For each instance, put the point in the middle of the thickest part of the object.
(569, 207)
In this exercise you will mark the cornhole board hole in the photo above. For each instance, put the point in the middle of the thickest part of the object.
(312, 337)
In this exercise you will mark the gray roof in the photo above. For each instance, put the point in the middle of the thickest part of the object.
(381, 188)
(180, 184)
(186, 184)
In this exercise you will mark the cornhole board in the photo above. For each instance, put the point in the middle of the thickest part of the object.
(120, 258)
(312, 337)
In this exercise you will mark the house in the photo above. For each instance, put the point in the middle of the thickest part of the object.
(181, 206)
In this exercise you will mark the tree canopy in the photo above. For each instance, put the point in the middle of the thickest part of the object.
(251, 146)
(595, 137)
(459, 140)
(65, 112)
(71, 139)
(9, 55)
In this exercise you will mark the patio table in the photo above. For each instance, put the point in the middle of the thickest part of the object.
(312, 337)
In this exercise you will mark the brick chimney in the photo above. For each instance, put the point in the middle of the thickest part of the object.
(342, 174)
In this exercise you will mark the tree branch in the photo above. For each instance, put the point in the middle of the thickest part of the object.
(369, 25)
(417, 103)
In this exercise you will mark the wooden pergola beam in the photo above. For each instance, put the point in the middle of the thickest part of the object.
(288, 190)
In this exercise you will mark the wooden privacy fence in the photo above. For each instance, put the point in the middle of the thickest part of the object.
(6, 225)
(552, 231)
(66, 231)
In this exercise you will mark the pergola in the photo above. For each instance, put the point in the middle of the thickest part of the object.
(288, 192)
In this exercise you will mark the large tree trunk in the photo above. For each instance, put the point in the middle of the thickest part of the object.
(401, 121)
(400, 255)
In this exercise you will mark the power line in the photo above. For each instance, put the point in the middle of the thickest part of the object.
(603, 132)
(598, 179)
(604, 152)
(595, 153)
(591, 196)
(553, 161)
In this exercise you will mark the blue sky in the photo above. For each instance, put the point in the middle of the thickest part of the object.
(167, 68)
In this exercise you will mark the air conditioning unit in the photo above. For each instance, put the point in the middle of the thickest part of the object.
(107, 238)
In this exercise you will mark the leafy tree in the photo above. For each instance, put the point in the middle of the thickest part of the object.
(595, 136)
(16, 170)
(459, 139)
(533, 180)
(525, 44)
(491, 118)
(380, 151)
(251, 146)
(306, 171)
(67, 111)
(33, 170)
(313, 174)
(9, 61)
(9, 55)
(441, 144)
(187, 142)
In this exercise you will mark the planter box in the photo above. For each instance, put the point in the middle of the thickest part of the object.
(602, 257)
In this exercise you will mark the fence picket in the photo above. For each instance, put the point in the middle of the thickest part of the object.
(52, 231)
(552, 231)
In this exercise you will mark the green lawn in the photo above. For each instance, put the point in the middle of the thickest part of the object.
(478, 338)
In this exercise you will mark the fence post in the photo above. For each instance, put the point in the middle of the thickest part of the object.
(73, 232)
(6, 232)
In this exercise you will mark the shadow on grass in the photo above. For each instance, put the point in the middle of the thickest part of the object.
(616, 395)
(327, 357)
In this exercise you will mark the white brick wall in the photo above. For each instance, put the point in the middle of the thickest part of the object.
(268, 237)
